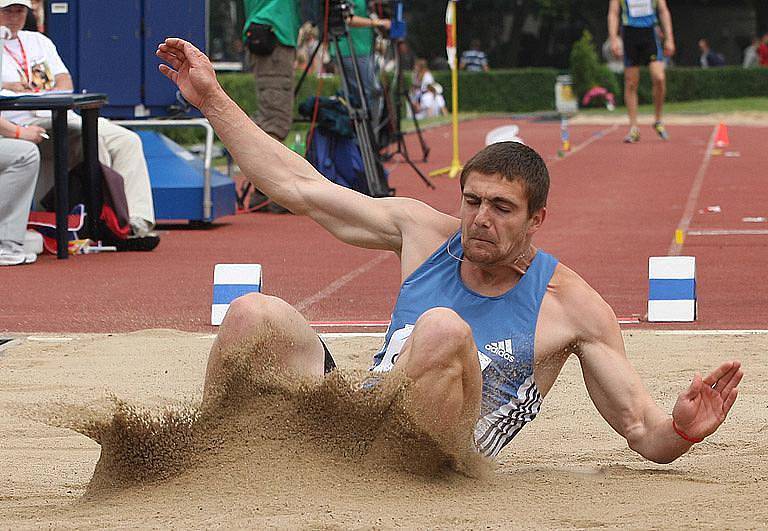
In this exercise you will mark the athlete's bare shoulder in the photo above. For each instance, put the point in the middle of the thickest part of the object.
(423, 229)
(587, 314)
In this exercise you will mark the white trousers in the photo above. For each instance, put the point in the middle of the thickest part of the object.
(119, 148)
(19, 165)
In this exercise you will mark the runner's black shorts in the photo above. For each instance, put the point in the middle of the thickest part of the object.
(642, 46)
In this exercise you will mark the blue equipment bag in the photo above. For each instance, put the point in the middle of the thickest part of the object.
(333, 150)
(338, 159)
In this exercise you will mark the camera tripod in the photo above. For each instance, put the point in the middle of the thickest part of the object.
(399, 91)
(359, 114)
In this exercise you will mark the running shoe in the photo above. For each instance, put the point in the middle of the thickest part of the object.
(633, 137)
(661, 130)
(12, 256)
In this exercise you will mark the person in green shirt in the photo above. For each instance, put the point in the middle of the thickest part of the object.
(270, 32)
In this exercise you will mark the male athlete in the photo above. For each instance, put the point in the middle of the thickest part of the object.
(642, 47)
(484, 321)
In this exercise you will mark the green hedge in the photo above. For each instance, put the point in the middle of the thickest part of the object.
(520, 90)
(525, 90)
(692, 83)
(533, 89)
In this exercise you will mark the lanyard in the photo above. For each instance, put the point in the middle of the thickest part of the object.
(23, 63)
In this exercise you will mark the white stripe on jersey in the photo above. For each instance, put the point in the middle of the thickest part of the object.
(496, 429)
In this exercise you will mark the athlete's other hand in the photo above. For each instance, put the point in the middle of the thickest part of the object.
(190, 69)
(616, 47)
(669, 48)
(701, 409)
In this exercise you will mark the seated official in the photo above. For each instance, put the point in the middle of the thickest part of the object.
(31, 64)
(19, 166)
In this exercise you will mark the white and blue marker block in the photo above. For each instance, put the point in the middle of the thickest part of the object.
(671, 288)
(231, 281)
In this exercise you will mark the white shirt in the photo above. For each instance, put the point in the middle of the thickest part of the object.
(32, 56)
(430, 105)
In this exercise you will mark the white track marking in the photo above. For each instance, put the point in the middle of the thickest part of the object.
(726, 232)
(341, 282)
(693, 197)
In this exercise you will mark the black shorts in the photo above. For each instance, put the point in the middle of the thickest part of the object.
(329, 364)
(642, 46)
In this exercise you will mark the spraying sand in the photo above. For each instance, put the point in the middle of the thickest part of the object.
(274, 453)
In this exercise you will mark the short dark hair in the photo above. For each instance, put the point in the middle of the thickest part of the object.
(513, 160)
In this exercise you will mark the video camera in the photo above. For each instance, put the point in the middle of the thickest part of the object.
(340, 11)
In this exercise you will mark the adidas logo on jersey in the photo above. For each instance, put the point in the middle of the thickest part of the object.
(502, 349)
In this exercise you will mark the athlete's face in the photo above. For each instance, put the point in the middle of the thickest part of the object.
(13, 17)
(495, 226)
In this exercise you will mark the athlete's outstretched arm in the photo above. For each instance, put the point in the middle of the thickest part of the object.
(623, 401)
(280, 173)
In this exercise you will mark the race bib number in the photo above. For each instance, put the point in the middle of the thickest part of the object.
(640, 8)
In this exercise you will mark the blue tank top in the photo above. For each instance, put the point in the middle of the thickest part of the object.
(639, 13)
(503, 328)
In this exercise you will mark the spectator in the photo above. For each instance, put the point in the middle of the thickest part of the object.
(474, 59)
(431, 103)
(762, 50)
(19, 167)
(750, 54)
(634, 33)
(270, 35)
(709, 57)
(420, 79)
(307, 43)
(31, 64)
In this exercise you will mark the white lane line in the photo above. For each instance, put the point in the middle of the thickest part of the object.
(344, 335)
(724, 232)
(341, 282)
(50, 339)
(594, 138)
(710, 332)
(693, 197)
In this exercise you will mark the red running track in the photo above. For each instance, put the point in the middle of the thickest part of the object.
(611, 207)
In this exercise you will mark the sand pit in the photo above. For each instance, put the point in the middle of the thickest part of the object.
(269, 465)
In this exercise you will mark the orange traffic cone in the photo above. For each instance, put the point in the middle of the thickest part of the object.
(721, 137)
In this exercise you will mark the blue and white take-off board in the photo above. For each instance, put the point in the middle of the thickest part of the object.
(231, 281)
(671, 288)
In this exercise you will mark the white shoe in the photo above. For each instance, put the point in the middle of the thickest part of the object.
(12, 253)
(11, 257)
(141, 228)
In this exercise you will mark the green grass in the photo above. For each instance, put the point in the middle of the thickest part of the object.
(699, 107)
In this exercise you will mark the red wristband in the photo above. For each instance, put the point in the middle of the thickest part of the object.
(682, 434)
(18, 131)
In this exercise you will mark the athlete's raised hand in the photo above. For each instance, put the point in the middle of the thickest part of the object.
(190, 69)
(701, 409)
